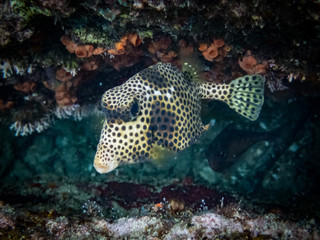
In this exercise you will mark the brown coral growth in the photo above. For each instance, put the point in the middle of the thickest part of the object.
(64, 97)
(7, 105)
(121, 61)
(25, 87)
(99, 51)
(250, 64)
(63, 75)
(65, 40)
(212, 51)
(81, 51)
(68, 43)
(126, 52)
(84, 51)
(122, 46)
(159, 45)
(166, 57)
(90, 66)
(203, 47)
(218, 42)
(134, 39)
(160, 48)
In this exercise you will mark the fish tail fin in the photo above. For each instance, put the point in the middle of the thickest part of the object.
(246, 95)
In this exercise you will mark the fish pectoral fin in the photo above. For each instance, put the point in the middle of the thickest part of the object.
(206, 127)
(160, 155)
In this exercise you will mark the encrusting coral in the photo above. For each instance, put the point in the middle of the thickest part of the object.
(120, 61)
(25, 87)
(212, 51)
(250, 64)
(66, 88)
(159, 48)
(64, 96)
(5, 105)
(121, 47)
(126, 52)
(68, 43)
(105, 39)
(98, 51)
(63, 75)
(81, 51)
(166, 57)
(90, 65)
(159, 44)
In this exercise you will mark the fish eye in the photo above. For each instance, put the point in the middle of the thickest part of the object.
(134, 110)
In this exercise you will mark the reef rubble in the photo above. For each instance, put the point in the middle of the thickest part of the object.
(111, 215)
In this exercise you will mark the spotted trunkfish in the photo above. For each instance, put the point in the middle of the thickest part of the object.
(158, 111)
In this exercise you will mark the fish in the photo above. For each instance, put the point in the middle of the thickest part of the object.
(156, 112)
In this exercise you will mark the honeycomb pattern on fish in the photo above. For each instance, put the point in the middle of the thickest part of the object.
(159, 109)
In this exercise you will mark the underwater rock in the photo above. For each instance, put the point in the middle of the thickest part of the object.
(226, 148)
(225, 222)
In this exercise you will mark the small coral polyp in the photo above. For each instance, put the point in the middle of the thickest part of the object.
(24, 129)
(66, 111)
(30, 118)
(124, 46)
(81, 51)
(210, 53)
(5, 66)
(250, 64)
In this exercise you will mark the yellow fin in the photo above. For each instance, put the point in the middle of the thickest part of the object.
(190, 73)
(247, 95)
(191, 65)
(161, 155)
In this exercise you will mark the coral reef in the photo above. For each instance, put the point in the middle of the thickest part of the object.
(121, 35)
(225, 219)
(57, 58)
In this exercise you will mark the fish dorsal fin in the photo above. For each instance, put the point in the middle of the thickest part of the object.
(189, 72)
(191, 65)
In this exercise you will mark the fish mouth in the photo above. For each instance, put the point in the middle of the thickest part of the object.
(104, 167)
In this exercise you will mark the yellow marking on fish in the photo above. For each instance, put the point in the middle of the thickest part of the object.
(159, 108)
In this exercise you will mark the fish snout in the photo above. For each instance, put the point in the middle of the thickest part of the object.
(105, 166)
